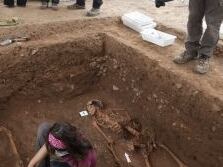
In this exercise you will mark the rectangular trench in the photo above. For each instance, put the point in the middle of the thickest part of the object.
(181, 116)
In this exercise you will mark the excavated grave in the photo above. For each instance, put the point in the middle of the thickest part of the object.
(53, 82)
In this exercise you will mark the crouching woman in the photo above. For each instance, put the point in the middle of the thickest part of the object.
(62, 145)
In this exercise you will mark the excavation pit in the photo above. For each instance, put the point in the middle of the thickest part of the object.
(53, 82)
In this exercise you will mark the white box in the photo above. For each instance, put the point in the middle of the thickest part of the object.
(138, 28)
(138, 17)
(158, 37)
(138, 21)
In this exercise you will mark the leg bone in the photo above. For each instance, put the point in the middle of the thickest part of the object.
(179, 162)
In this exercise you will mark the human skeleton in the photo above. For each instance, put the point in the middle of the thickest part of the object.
(139, 139)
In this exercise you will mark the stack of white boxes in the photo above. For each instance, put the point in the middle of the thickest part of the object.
(145, 25)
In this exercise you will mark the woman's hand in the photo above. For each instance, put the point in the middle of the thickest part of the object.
(40, 155)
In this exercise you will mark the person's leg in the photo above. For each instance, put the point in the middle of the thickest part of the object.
(194, 25)
(44, 4)
(97, 4)
(95, 8)
(21, 3)
(55, 4)
(9, 3)
(55, 1)
(194, 28)
(213, 17)
(80, 4)
(40, 141)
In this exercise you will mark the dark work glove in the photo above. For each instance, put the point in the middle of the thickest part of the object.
(160, 3)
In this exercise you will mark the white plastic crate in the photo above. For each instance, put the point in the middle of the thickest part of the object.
(138, 17)
(139, 28)
(158, 37)
(138, 21)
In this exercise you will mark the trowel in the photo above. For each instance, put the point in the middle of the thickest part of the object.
(12, 40)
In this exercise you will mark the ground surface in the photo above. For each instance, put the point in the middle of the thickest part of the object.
(196, 100)
(111, 8)
(175, 21)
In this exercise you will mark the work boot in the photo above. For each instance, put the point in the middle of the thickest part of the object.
(75, 7)
(185, 57)
(44, 5)
(202, 66)
(93, 12)
(55, 6)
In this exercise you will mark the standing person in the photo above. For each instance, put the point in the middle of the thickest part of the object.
(197, 46)
(80, 4)
(45, 4)
(61, 145)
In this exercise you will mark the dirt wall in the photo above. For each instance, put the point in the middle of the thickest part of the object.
(184, 118)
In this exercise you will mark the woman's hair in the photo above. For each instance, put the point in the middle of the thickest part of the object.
(76, 144)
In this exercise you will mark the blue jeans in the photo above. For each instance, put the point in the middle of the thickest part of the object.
(41, 136)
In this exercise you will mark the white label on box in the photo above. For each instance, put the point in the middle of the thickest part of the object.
(83, 113)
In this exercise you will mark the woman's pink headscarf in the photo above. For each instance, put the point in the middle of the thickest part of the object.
(56, 143)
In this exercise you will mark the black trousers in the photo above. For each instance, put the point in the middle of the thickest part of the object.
(11, 3)
(96, 3)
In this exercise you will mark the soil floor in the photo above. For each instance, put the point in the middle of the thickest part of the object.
(111, 8)
(194, 120)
